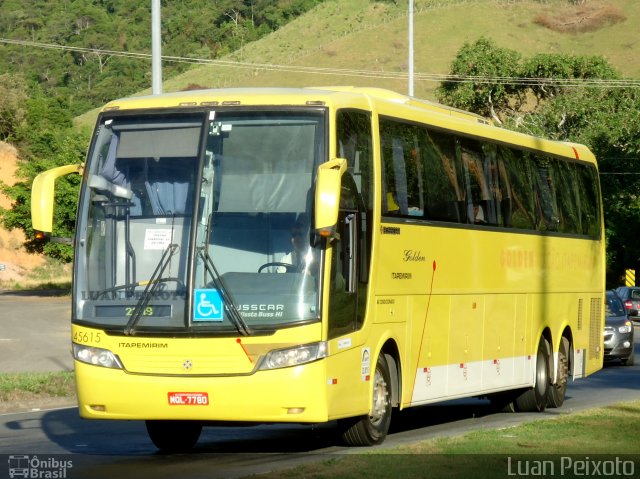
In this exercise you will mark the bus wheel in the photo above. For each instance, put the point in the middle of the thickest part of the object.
(372, 429)
(535, 399)
(174, 436)
(557, 391)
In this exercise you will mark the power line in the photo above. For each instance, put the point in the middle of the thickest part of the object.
(607, 173)
(434, 77)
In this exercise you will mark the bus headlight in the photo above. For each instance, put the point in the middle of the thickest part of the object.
(284, 358)
(96, 356)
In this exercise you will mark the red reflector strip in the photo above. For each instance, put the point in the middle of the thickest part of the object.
(188, 399)
(575, 152)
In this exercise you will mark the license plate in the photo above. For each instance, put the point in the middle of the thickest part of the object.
(188, 399)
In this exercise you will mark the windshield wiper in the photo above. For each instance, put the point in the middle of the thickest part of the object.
(155, 280)
(234, 315)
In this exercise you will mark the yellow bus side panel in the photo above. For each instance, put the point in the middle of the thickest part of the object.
(479, 302)
(348, 377)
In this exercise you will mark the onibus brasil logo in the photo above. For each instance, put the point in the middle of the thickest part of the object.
(35, 467)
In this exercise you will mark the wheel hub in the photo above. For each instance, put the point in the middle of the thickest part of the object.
(380, 398)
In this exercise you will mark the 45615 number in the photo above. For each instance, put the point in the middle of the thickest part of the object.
(87, 336)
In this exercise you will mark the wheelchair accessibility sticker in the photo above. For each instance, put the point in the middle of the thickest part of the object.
(207, 305)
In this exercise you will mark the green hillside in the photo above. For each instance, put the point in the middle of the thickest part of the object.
(363, 35)
(86, 52)
(372, 37)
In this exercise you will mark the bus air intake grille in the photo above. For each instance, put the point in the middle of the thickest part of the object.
(580, 314)
(595, 328)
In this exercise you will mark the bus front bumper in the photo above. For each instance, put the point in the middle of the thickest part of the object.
(294, 394)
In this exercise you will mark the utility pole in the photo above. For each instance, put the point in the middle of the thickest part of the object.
(410, 61)
(156, 49)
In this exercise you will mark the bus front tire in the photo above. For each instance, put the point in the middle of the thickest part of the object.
(535, 398)
(174, 436)
(558, 390)
(372, 429)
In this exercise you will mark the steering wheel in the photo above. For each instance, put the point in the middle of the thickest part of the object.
(288, 266)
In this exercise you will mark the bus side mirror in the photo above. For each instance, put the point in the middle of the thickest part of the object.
(42, 198)
(327, 199)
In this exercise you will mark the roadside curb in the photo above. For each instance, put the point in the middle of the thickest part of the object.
(36, 292)
(37, 404)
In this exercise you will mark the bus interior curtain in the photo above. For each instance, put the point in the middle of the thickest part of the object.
(263, 192)
(167, 186)
(400, 176)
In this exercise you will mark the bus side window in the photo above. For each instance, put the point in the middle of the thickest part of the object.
(348, 292)
(354, 144)
(517, 168)
(494, 214)
(504, 193)
(545, 194)
(403, 172)
(589, 200)
(566, 181)
(477, 194)
(444, 200)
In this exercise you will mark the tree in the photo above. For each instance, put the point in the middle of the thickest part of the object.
(475, 82)
(190, 28)
(547, 70)
(47, 140)
(13, 96)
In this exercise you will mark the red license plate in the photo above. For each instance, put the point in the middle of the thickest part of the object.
(188, 399)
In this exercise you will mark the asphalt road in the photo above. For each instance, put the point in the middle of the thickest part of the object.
(35, 333)
(110, 449)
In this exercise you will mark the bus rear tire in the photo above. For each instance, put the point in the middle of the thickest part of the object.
(372, 429)
(558, 390)
(535, 398)
(174, 436)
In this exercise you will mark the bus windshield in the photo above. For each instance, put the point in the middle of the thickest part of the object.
(200, 223)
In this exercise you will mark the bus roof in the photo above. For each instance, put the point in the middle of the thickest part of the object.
(350, 97)
(284, 96)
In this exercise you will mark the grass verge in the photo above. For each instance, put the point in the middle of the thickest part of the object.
(63, 286)
(51, 275)
(571, 445)
(22, 386)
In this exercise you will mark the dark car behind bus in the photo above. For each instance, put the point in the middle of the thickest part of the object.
(618, 331)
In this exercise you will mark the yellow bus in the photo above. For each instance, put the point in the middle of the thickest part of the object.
(325, 254)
